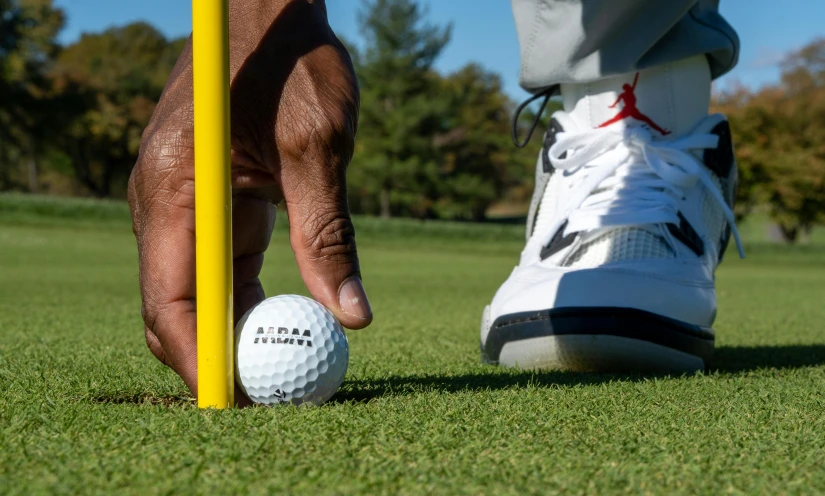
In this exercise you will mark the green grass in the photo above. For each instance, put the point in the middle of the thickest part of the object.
(86, 409)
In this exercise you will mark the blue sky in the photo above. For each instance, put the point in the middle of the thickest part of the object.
(483, 30)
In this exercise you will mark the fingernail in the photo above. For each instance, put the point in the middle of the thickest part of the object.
(353, 299)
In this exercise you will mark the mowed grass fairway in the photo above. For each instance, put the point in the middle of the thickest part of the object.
(85, 408)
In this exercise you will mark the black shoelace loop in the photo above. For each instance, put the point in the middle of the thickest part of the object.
(546, 93)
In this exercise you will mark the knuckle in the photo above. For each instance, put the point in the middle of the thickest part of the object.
(330, 237)
(149, 312)
(173, 141)
(162, 318)
(154, 346)
(336, 127)
(323, 137)
(164, 173)
(327, 120)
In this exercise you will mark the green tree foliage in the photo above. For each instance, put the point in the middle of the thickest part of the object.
(108, 84)
(474, 152)
(428, 145)
(402, 109)
(779, 132)
(27, 45)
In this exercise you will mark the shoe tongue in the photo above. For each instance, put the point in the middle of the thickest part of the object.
(668, 99)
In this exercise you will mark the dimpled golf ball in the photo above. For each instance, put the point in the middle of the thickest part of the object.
(290, 349)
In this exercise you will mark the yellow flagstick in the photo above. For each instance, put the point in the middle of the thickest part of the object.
(213, 203)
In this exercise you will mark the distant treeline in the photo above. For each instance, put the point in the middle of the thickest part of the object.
(429, 145)
(779, 133)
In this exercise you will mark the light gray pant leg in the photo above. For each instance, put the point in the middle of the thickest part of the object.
(564, 41)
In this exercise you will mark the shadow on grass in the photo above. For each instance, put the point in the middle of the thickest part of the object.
(728, 359)
(141, 398)
(734, 359)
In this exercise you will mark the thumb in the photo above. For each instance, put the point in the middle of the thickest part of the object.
(323, 239)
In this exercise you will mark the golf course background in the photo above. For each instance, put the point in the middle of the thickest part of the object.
(86, 408)
(431, 144)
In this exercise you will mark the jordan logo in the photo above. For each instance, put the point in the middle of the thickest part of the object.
(628, 95)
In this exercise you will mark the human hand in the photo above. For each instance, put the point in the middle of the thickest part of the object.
(294, 116)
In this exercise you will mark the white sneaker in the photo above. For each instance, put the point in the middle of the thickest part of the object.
(630, 217)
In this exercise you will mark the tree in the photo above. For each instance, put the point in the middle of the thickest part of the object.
(475, 150)
(402, 109)
(751, 122)
(797, 197)
(107, 85)
(780, 137)
(27, 45)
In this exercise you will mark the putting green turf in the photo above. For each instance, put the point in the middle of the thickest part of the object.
(85, 408)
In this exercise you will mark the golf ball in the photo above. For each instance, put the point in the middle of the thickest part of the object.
(290, 349)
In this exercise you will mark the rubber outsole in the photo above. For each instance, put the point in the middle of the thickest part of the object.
(597, 339)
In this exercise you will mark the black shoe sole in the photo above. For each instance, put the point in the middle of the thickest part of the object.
(598, 339)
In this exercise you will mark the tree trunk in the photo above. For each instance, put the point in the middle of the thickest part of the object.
(385, 203)
(789, 233)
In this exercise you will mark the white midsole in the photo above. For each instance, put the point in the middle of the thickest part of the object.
(594, 353)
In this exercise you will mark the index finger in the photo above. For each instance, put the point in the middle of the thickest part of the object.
(162, 200)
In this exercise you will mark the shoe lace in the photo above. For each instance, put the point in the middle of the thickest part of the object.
(546, 93)
(625, 178)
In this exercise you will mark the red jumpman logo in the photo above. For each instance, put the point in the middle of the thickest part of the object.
(630, 109)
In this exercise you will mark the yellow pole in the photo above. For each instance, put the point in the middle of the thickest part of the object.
(213, 203)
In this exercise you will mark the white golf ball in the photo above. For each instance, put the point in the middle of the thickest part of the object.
(290, 349)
